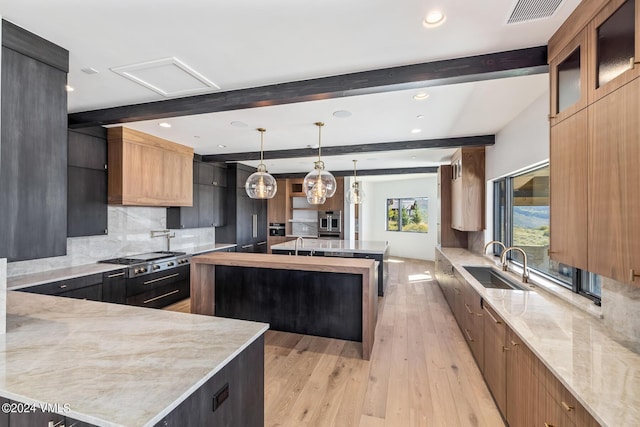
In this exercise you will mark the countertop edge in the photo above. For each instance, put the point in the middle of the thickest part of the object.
(482, 291)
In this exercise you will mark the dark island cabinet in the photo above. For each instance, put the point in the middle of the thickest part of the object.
(208, 200)
(87, 182)
(33, 154)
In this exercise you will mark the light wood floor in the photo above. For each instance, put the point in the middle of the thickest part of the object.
(421, 372)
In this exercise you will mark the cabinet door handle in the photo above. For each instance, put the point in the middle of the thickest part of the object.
(548, 425)
(492, 318)
(566, 406)
(633, 274)
(110, 276)
(468, 309)
(466, 332)
(513, 343)
(246, 246)
(505, 349)
(161, 296)
(148, 282)
(254, 225)
(261, 243)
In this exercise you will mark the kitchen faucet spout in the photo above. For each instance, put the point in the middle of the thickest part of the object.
(299, 239)
(525, 268)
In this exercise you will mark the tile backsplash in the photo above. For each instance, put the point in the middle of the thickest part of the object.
(129, 233)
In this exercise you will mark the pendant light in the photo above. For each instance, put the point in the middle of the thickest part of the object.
(260, 184)
(355, 196)
(319, 183)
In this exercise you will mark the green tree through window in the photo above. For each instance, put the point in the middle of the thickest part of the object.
(408, 214)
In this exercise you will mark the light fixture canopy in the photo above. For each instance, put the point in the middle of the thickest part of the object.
(355, 196)
(260, 184)
(319, 184)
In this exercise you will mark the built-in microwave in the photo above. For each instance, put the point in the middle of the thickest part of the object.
(329, 223)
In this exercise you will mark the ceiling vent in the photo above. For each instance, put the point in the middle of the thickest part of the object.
(168, 77)
(531, 10)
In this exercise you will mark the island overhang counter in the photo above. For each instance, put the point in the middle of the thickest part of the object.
(309, 295)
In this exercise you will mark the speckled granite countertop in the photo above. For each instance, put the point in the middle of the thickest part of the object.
(598, 368)
(114, 365)
(360, 246)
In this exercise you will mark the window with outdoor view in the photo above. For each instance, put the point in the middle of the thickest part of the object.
(521, 218)
(408, 214)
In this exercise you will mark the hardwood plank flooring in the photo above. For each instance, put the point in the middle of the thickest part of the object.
(421, 372)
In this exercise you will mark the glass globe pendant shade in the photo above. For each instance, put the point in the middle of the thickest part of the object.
(319, 184)
(355, 196)
(260, 184)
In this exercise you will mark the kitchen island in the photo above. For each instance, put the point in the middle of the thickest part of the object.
(367, 249)
(330, 297)
(114, 365)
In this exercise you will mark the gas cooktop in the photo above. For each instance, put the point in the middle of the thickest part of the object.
(142, 258)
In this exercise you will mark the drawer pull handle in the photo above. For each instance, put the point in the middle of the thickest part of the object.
(148, 282)
(566, 406)
(468, 309)
(115, 275)
(161, 296)
(466, 331)
(633, 274)
(492, 318)
(513, 343)
(505, 349)
(548, 425)
(63, 286)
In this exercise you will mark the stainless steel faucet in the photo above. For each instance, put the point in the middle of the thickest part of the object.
(496, 242)
(164, 233)
(299, 239)
(525, 269)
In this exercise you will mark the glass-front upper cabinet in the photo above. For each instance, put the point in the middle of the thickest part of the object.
(569, 77)
(615, 45)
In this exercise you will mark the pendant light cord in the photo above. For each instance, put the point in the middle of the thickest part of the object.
(319, 124)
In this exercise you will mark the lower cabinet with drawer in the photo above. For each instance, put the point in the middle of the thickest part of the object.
(85, 287)
(160, 289)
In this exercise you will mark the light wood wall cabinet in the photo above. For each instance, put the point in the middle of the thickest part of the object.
(592, 189)
(447, 236)
(145, 170)
(467, 189)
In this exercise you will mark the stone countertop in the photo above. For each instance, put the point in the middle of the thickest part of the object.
(114, 365)
(329, 245)
(33, 279)
(598, 367)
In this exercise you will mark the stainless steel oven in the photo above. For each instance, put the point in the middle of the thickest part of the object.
(329, 223)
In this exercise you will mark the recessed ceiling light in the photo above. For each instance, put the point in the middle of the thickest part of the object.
(164, 125)
(342, 114)
(239, 124)
(222, 146)
(420, 96)
(434, 19)
(371, 159)
(68, 88)
(416, 130)
(420, 116)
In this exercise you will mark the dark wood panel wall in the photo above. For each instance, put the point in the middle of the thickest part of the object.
(33, 150)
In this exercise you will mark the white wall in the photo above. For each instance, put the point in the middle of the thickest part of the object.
(523, 143)
(373, 216)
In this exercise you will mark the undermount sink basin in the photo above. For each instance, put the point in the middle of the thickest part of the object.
(489, 277)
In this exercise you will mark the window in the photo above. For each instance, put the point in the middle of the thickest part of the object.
(521, 218)
(408, 214)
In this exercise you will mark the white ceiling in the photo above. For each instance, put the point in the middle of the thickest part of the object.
(248, 43)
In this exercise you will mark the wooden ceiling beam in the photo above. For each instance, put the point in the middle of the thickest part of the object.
(459, 70)
(468, 141)
(365, 172)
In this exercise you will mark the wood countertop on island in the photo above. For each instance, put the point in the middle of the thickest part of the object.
(203, 280)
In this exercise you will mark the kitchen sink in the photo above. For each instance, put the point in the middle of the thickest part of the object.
(489, 277)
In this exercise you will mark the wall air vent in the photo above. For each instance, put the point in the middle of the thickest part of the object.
(530, 10)
(168, 77)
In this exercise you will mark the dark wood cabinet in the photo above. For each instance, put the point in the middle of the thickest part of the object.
(208, 199)
(246, 218)
(87, 208)
(84, 287)
(234, 396)
(114, 287)
(159, 289)
(33, 154)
